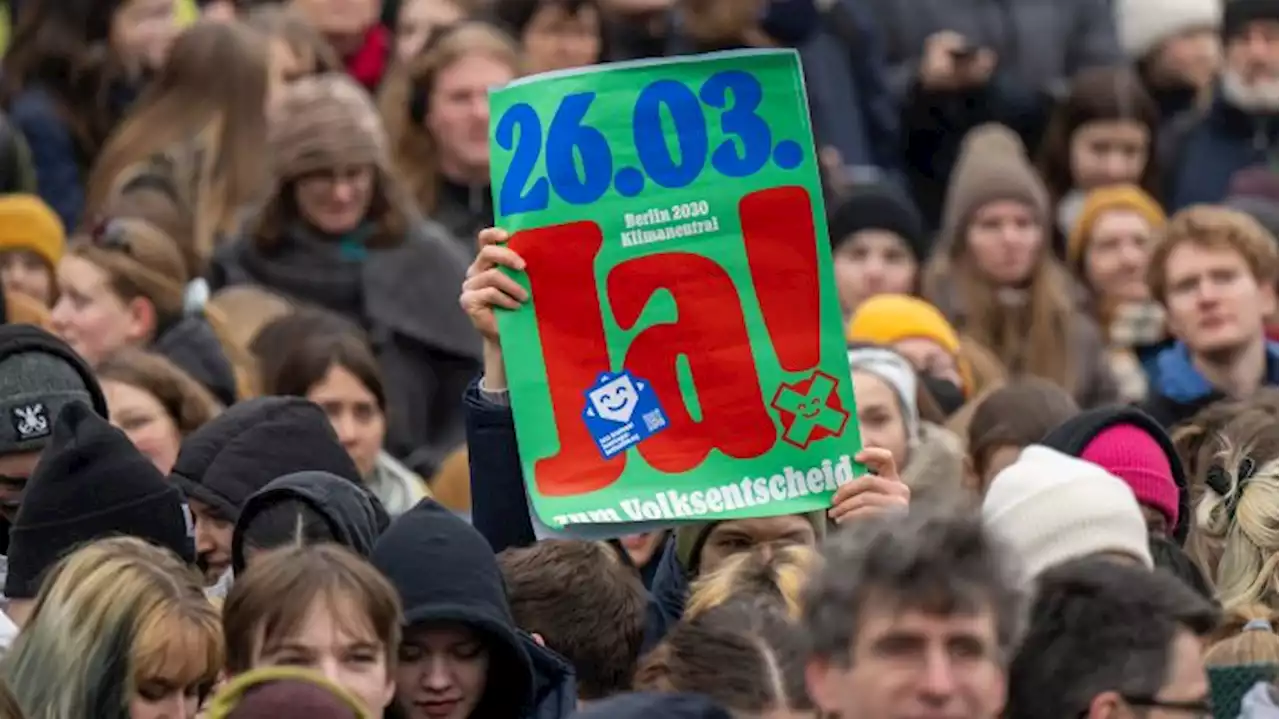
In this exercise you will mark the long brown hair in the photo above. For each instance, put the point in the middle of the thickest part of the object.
(281, 24)
(1097, 94)
(406, 95)
(212, 92)
(1031, 338)
(185, 400)
(63, 49)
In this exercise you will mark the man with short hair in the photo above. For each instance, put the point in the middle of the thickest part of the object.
(1203, 153)
(1108, 639)
(585, 604)
(1215, 274)
(914, 616)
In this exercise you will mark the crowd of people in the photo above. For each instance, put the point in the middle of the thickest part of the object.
(257, 454)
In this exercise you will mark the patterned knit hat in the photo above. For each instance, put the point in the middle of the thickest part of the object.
(325, 122)
(992, 166)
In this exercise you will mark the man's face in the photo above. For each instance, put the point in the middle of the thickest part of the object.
(213, 541)
(1253, 64)
(15, 469)
(1215, 305)
(1185, 692)
(908, 664)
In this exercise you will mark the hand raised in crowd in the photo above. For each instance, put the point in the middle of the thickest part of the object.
(879, 490)
(487, 286)
(950, 63)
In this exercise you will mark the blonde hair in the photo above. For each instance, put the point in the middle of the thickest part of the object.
(1244, 524)
(413, 150)
(112, 600)
(778, 574)
(1247, 636)
(247, 309)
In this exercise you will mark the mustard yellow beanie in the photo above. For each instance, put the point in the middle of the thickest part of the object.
(885, 319)
(27, 223)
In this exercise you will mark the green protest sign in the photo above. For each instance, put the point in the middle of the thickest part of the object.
(682, 355)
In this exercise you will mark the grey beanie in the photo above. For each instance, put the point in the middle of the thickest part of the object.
(39, 374)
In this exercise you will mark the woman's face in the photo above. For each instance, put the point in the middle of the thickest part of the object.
(1109, 152)
(870, 263)
(1119, 250)
(1005, 240)
(90, 316)
(442, 672)
(736, 536)
(161, 700)
(641, 547)
(1190, 58)
(459, 113)
(880, 416)
(143, 30)
(337, 201)
(930, 358)
(418, 21)
(23, 271)
(355, 414)
(337, 640)
(557, 39)
(141, 416)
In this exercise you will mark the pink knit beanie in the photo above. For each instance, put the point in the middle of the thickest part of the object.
(1134, 456)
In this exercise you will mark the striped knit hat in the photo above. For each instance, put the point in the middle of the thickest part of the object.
(325, 122)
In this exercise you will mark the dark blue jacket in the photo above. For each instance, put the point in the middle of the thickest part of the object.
(1201, 152)
(1178, 390)
(55, 153)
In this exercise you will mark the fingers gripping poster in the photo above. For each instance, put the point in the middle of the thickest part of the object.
(681, 357)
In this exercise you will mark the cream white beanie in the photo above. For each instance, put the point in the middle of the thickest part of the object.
(1052, 508)
(1144, 24)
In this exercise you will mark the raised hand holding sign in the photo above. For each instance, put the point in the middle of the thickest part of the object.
(682, 355)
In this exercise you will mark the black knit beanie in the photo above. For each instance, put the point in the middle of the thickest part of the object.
(240, 451)
(879, 207)
(1238, 13)
(91, 483)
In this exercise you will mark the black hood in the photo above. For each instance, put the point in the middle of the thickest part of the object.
(190, 343)
(445, 571)
(240, 451)
(352, 511)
